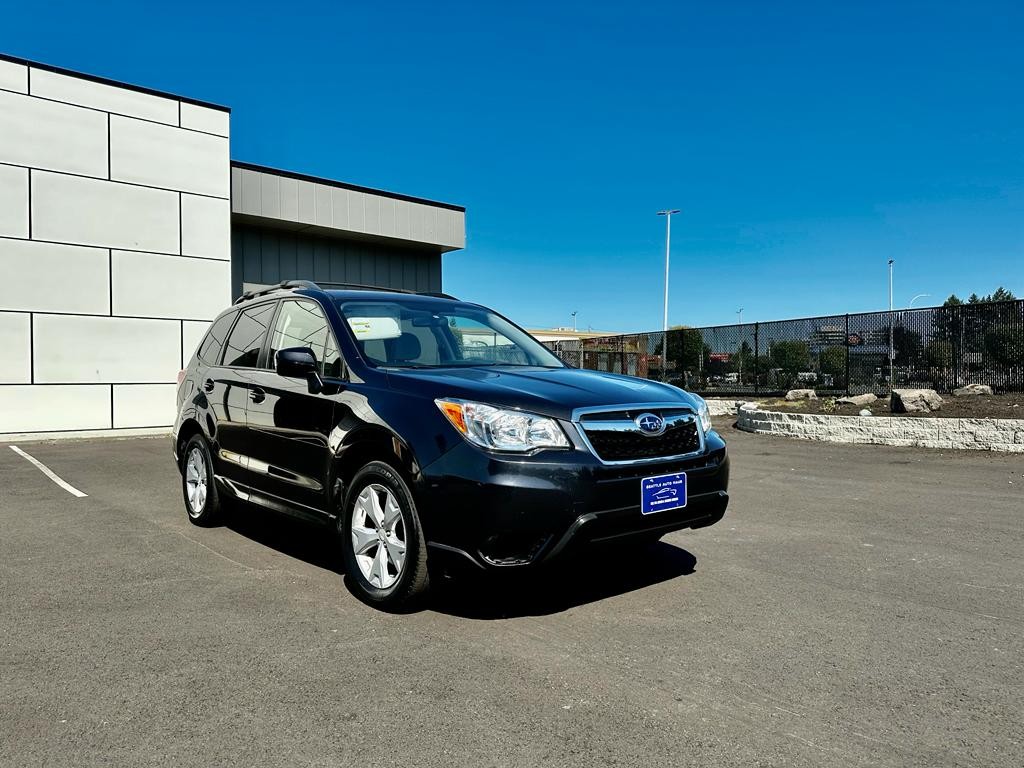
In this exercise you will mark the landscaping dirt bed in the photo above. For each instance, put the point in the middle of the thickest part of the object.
(978, 407)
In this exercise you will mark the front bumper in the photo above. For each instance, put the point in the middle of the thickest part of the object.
(503, 511)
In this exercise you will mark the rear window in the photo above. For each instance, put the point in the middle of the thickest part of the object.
(246, 339)
(213, 342)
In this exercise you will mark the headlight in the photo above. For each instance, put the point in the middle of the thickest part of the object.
(498, 429)
(704, 415)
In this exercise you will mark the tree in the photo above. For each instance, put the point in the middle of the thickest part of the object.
(832, 362)
(1000, 294)
(1005, 345)
(906, 345)
(687, 351)
(791, 356)
(939, 354)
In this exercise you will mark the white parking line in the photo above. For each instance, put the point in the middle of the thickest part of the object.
(49, 473)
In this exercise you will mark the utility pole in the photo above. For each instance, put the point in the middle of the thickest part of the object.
(892, 349)
(667, 213)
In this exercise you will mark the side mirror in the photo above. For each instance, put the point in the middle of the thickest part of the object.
(300, 363)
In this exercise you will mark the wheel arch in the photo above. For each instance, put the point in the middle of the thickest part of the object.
(186, 431)
(372, 443)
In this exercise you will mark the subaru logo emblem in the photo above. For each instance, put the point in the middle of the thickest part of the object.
(650, 424)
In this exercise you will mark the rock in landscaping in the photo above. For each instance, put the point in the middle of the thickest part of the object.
(866, 399)
(801, 394)
(865, 412)
(973, 389)
(915, 401)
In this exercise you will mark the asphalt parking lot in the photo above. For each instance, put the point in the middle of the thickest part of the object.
(858, 605)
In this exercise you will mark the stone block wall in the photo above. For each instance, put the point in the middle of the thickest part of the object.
(952, 434)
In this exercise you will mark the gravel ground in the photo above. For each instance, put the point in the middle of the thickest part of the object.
(858, 606)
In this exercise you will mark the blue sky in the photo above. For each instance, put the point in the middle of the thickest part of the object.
(806, 143)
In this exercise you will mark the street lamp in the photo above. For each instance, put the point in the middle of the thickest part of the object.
(892, 350)
(739, 315)
(667, 213)
(919, 296)
(574, 322)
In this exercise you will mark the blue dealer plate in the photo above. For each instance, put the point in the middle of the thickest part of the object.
(661, 493)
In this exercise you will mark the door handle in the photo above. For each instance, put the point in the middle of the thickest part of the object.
(257, 395)
(208, 385)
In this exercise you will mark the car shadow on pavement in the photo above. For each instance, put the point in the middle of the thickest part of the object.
(313, 543)
(585, 578)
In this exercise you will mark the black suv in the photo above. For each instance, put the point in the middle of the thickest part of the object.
(425, 427)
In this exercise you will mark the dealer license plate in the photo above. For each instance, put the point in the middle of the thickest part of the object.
(661, 493)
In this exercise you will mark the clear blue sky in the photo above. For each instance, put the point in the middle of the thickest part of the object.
(806, 143)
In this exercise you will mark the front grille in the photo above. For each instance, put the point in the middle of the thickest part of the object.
(680, 438)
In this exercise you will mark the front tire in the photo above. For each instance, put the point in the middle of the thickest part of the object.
(382, 540)
(202, 502)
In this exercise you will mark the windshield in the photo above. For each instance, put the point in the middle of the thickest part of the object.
(415, 333)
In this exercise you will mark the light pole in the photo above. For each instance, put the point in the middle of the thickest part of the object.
(892, 350)
(574, 322)
(667, 213)
(739, 315)
(919, 296)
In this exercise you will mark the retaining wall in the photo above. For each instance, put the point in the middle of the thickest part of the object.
(955, 434)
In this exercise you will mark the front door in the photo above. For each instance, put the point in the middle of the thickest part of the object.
(289, 427)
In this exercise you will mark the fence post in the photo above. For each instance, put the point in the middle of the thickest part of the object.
(846, 343)
(757, 354)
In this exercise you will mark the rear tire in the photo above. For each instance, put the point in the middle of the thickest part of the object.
(382, 541)
(202, 501)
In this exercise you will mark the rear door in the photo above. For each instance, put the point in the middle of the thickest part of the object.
(230, 385)
(288, 427)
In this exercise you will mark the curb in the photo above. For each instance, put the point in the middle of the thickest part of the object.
(1005, 435)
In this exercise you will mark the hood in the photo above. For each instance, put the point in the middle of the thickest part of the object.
(546, 391)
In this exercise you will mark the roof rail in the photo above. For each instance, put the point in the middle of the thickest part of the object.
(283, 286)
(288, 285)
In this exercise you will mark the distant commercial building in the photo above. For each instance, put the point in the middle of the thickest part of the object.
(567, 334)
(125, 228)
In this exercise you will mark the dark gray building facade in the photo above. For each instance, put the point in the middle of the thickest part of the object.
(288, 226)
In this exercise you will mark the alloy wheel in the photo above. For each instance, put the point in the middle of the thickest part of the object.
(195, 482)
(378, 536)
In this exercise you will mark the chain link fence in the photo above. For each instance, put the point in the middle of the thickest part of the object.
(939, 348)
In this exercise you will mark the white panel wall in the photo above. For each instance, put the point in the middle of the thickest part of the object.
(204, 119)
(54, 278)
(13, 77)
(206, 227)
(204, 285)
(54, 409)
(114, 248)
(161, 156)
(16, 343)
(143, 405)
(45, 134)
(71, 209)
(13, 201)
(77, 349)
(103, 97)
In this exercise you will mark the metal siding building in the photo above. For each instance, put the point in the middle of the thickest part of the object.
(291, 226)
(125, 228)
